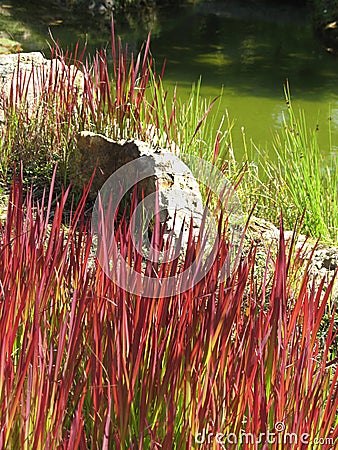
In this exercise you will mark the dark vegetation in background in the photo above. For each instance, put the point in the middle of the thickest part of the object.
(324, 13)
(325, 21)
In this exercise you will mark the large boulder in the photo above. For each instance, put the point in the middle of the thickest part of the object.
(178, 191)
(16, 69)
(25, 76)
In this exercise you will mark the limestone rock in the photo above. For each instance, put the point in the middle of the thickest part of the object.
(322, 259)
(179, 192)
(27, 75)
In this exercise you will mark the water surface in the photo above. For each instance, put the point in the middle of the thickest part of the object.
(251, 52)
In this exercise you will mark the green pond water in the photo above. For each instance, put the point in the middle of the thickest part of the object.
(247, 49)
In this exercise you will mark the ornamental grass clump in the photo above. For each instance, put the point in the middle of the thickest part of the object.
(71, 94)
(301, 178)
(309, 180)
(118, 94)
(86, 364)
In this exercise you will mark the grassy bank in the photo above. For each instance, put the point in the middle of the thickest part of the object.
(87, 364)
(297, 179)
(131, 102)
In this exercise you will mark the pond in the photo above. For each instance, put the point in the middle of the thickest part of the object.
(247, 49)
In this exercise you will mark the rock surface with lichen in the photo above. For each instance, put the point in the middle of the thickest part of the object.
(179, 196)
(24, 77)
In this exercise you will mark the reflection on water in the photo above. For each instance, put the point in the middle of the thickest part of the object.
(334, 116)
(278, 116)
(247, 48)
(251, 53)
